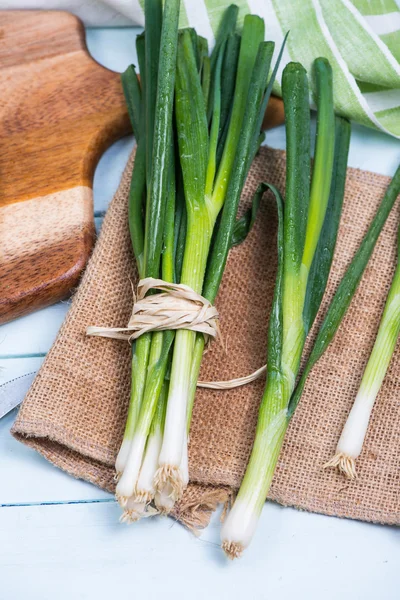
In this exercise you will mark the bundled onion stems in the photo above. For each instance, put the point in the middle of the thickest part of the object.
(197, 120)
(206, 182)
(352, 438)
(151, 109)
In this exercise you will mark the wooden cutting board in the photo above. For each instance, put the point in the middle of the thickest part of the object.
(59, 111)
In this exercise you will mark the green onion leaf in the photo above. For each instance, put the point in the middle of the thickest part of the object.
(191, 122)
(226, 27)
(136, 194)
(206, 79)
(168, 259)
(323, 160)
(297, 116)
(137, 190)
(202, 48)
(215, 124)
(229, 68)
(133, 98)
(152, 36)
(180, 227)
(257, 141)
(196, 48)
(297, 121)
(252, 37)
(321, 264)
(141, 54)
(275, 327)
(222, 244)
(162, 143)
(244, 225)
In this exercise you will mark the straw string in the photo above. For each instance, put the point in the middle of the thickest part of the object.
(176, 306)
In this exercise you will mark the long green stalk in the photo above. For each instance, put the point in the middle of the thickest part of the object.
(321, 265)
(134, 101)
(300, 226)
(226, 28)
(239, 528)
(135, 104)
(153, 12)
(136, 108)
(223, 239)
(252, 36)
(203, 205)
(160, 48)
(193, 139)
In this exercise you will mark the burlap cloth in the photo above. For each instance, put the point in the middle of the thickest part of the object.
(75, 412)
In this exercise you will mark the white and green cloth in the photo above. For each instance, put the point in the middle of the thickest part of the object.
(361, 38)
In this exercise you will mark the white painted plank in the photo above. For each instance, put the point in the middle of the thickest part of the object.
(33, 333)
(114, 48)
(15, 367)
(373, 150)
(81, 551)
(109, 172)
(30, 478)
(98, 221)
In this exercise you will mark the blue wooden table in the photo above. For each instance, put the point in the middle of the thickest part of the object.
(60, 538)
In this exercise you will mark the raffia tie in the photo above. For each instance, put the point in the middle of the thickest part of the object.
(177, 306)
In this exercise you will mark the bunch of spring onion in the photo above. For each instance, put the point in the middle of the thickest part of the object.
(308, 225)
(197, 120)
(351, 441)
(307, 230)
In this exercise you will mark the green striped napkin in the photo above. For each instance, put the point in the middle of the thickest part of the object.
(361, 39)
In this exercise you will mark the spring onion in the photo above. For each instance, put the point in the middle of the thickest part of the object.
(352, 438)
(206, 180)
(308, 223)
(157, 175)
